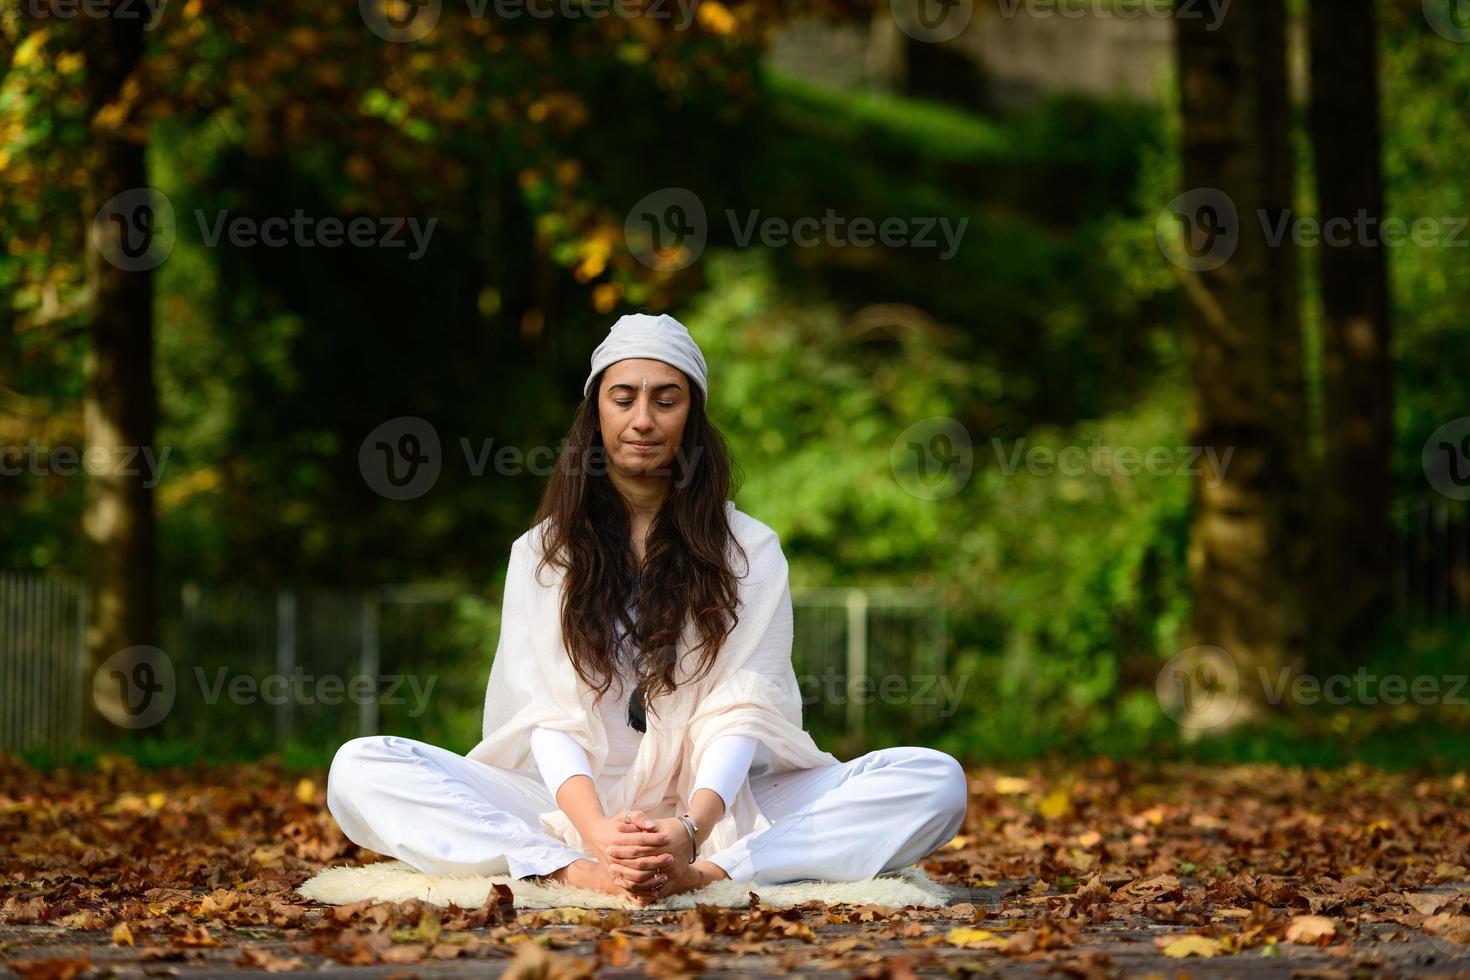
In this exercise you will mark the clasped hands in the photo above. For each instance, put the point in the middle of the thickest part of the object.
(649, 859)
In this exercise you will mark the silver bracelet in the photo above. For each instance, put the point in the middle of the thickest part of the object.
(693, 829)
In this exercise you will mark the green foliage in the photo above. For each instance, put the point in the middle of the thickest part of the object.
(1054, 324)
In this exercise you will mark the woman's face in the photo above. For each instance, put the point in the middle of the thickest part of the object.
(643, 405)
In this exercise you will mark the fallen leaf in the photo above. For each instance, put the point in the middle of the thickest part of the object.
(965, 936)
(268, 961)
(1310, 930)
(1190, 946)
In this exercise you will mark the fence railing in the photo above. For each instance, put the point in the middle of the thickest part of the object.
(1431, 557)
(42, 660)
(256, 670)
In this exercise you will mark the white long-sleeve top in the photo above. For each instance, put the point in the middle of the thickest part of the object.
(751, 691)
(723, 768)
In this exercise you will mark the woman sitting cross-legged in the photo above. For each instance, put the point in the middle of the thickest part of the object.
(642, 731)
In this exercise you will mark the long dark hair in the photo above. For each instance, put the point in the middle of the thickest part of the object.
(686, 566)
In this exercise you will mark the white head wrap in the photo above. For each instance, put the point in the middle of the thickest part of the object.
(659, 338)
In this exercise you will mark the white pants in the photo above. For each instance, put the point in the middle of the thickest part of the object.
(447, 814)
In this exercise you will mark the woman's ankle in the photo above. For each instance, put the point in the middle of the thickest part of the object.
(566, 871)
(710, 872)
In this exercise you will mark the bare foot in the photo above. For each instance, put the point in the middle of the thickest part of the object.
(583, 873)
(691, 877)
(598, 877)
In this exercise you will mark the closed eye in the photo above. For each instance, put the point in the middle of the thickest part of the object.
(628, 401)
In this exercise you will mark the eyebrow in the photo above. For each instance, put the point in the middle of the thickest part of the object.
(667, 384)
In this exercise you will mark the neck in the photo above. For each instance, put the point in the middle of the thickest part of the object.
(644, 495)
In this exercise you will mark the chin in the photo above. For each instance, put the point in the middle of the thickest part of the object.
(644, 464)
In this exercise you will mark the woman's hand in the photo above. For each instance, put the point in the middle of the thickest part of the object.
(669, 878)
(636, 852)
(683, 878)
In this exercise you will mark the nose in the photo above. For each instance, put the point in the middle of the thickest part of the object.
(643, 413)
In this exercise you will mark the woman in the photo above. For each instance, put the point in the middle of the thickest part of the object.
(642, 731)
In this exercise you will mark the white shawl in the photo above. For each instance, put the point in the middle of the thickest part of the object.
(532, 683)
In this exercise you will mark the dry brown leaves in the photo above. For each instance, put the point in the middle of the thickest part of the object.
(200, 866)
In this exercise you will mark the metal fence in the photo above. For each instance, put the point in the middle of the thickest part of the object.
(256, 670)
(1431, 557)
(42, 660)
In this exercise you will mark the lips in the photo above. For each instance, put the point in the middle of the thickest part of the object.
(643, 445)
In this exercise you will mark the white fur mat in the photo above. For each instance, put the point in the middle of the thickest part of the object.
(395, 881)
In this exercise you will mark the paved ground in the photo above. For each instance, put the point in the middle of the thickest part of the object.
(1088, 870)
(810, 939)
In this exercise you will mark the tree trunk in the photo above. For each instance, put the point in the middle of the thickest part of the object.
(120, 410)
(1251, 542)
(1357, 419)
